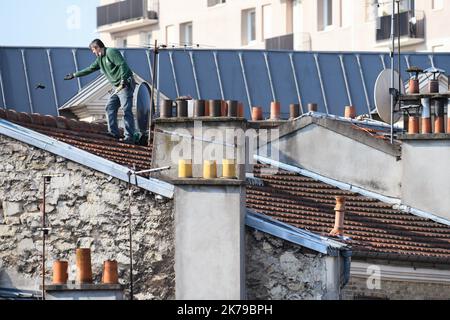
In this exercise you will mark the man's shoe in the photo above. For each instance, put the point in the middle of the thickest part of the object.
(112, 135)
(127, 141)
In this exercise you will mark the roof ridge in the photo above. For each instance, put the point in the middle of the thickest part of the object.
(79, 155)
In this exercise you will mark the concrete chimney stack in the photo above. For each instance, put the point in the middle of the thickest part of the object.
(207, 159)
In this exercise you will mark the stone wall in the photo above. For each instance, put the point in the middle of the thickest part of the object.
(84, 208)
(280, 270)
(357, 289)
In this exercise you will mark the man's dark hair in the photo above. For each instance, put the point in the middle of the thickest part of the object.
(98, 43)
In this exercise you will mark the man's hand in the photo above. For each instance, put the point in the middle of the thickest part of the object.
(70, 76)
(119, 88)
(123, 84)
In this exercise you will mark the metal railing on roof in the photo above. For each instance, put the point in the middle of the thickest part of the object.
(127, 10)
(285, 42)
(412, 25)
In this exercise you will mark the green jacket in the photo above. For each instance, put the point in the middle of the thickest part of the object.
(112, 65)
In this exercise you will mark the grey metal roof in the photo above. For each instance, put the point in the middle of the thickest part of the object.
(255, 77)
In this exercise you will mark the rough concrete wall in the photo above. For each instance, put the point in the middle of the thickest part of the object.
(280, 270)
(84, 208)
(338, 157)
(357, 288)
(426, 176)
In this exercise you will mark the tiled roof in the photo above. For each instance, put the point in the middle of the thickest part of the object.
(86, 136)
(375, 228)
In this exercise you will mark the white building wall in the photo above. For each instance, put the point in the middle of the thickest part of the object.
(353, 25)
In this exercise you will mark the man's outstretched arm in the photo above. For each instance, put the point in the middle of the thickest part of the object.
(92, 68)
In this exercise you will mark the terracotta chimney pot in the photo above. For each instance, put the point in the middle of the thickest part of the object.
(338, 229)
(110, 272)
(60, 274)
(84, 268)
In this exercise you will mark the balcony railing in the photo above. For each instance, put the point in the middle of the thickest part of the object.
(285, 42)
(127, 10)
(412, 25)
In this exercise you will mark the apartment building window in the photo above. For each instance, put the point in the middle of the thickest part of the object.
(385, 8)
(325, 14)
(149, 38)
(212, 3)
(267, 21)
(186, 36)
(437, 4)
(371, 10)
(121, 42)
(146, 38)
(248, 26)
(171, 35)
(346, 13)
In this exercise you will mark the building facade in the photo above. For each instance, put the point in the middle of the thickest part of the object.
(322, 25)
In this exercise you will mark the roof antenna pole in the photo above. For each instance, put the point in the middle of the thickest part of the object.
(399, 58)
(130, 191)
(392, 69)
(45, 229)
(152, 100)
(44, 234)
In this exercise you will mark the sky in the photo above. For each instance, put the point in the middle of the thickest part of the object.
(45, 23)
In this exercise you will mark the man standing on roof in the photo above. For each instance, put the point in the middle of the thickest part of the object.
(114, 67)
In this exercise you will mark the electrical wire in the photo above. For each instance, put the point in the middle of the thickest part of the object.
(173, 45)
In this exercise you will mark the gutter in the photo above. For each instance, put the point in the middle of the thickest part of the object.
(303, 238)
(368, 122)
(295, 235)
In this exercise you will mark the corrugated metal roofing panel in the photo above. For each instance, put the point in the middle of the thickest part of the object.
(255, 77)
(288, 232)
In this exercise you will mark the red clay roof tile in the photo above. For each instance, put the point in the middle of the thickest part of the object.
(86, 136)
(375, 228)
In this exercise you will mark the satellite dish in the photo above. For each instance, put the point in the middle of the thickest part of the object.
(142, 102)
(382, 97)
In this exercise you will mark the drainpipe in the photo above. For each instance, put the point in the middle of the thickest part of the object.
(347, 255)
